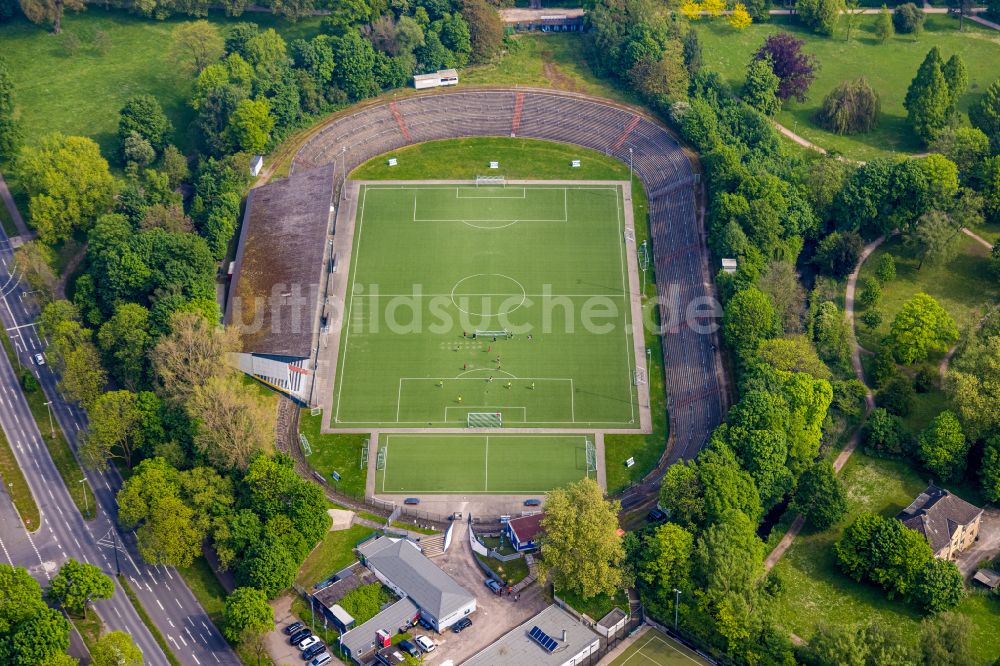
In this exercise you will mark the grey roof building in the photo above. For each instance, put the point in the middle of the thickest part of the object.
(949, 523)
(360, 641)
(275, 299)
(400, 565)
(568, 642)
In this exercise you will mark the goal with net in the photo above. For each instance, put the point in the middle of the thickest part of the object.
(364, 454)
(484, 420)
(490, 334)
(380, 458)
(590, 452)
(491, 181)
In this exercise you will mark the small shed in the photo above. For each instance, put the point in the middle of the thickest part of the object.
(256, 164)
(987, 578)
(442, 77)
(341, 618)
(729, 265)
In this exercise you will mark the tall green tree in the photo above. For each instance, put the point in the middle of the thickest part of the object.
(125, 342)
(749, 319)
(582, 552)
(69, 184)
(884, 28)
(821, 16)
(116, 648)
(143, 115)
(761, 87)
(150, 502)
(935, 238)
(920, 327)
(195, 45)
(247, 615)
(942, 446)
(989, 472)
(31, 633)
(985, 114)
(820, 496)
(50, 11)
(928, 99)
(956, 75)
(78, 584)
(947, 638)
(250, 125)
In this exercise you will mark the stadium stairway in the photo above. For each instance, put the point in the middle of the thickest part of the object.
(433, 545)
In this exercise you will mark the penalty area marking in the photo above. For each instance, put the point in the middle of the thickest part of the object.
(572, 397)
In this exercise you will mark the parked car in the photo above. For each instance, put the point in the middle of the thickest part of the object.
(321, 659)
(299, 636)
(493, 585)
(426, 644)
(314, 651)
(39, 359)
(292, 628)
(532, 502)
(425, 623)
(656, 516)
(308, 643)
(409, 648)
(461, 625)
(411, 500)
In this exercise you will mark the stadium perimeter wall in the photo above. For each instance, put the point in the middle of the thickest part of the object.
(692, 365)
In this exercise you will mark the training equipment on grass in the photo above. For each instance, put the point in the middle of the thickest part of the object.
(639, 376)
(644, 256)
(491, 181)
(315, 411)
(364, 454)
(590, 454)
(491, 334)
(306, 449)
(380, 459)
(484, 420)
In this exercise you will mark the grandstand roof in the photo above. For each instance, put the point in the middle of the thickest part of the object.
(274, 297)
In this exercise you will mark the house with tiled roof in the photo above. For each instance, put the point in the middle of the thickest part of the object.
(524, 531)
(949, 523)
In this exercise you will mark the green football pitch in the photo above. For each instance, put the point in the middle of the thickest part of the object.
(654, 648)
(434, 264)
(497, 464)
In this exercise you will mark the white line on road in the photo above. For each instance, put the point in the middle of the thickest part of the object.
(161, 607)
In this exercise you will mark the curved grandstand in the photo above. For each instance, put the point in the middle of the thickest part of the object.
(693, 372)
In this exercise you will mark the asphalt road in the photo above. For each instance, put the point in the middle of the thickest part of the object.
(64, 533)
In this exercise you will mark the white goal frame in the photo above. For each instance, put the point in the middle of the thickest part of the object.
(484, 419)
(491, 181)
(590, 453)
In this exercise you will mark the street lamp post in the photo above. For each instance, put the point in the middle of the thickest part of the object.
(630, 165)
(677, 600)
(118, 567)
(52, 427)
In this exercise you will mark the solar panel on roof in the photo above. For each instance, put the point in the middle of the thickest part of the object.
(547, 642)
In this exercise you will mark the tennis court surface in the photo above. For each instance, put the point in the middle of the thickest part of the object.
(655, 648)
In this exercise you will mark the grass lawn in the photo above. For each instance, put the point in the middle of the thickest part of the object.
(55, 441)
(513, 572)
(500, 464)
(433, 264)
(81, 93)
(547, 61)
(816, 592)
(16, 486)
(964, 287)
(595, 607)
(728, 52)
(90, 628)
(333, 553)
(339, 453)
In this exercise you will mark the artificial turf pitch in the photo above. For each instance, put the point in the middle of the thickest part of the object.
(654, 648)
(431, 264)
(494, 464)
